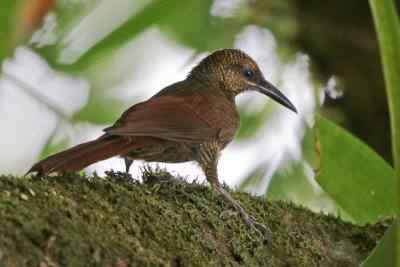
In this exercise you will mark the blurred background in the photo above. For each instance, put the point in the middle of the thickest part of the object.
(71, 67)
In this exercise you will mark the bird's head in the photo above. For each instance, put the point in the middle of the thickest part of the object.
(234, 72)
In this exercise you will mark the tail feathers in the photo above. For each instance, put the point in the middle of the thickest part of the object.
(81, 156)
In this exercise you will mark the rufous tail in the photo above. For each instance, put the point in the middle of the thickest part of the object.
(83, 155)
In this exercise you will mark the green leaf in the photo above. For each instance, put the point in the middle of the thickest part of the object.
(308, 147)
(387, 26)
(384, 254)
(353, 174)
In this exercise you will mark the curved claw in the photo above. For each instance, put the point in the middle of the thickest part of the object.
(259, 228)
(249, 220)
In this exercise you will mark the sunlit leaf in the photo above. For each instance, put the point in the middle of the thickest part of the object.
(353, 174)
(308, 148)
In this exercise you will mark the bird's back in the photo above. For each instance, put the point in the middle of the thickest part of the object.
(195, 117)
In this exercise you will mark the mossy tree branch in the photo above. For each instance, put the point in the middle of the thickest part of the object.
(79, 220)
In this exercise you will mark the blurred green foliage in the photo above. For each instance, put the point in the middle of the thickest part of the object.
(7, 17)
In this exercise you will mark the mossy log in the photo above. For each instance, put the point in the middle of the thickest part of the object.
(79, 220)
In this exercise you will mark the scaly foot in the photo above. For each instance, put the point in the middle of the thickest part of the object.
(259, 228)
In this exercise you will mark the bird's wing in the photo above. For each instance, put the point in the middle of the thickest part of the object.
(174, 118)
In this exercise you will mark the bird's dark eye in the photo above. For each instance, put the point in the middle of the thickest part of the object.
(247, 73)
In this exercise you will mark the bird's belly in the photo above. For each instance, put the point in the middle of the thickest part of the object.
(168, 152)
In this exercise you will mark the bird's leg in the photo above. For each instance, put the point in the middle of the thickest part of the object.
(249, 220)
(209, 161)
(128, 163)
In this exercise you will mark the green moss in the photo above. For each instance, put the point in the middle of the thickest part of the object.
(77, 220)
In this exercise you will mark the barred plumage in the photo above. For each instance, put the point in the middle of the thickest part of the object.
(191, 120)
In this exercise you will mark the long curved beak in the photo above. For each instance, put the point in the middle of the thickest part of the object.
(275, 94)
